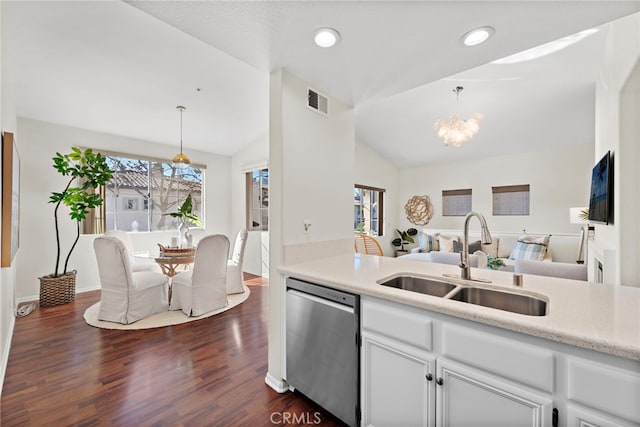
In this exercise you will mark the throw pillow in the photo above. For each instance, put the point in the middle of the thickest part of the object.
(473, 247)
(427, 242)
(446, 243)
(530, 247)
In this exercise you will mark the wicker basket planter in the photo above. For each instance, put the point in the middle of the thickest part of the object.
(57, 290)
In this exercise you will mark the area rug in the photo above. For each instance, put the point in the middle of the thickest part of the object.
(166, 318)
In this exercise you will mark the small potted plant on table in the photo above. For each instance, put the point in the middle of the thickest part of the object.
(406, 237)
(184, 215)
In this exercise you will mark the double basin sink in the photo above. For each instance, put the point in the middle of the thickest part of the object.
(502, 300)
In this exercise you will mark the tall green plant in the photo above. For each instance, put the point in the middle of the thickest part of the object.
(88, 170)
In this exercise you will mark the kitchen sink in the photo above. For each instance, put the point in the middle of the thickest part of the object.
(516, 303)
(421, 285)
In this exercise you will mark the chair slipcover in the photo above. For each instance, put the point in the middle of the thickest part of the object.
(126, 296)
(203, 289)
(137, 264)
(234, 265)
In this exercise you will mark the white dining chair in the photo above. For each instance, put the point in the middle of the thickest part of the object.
(137, 263)
(126, 296)
(203, 289)
(235, 277)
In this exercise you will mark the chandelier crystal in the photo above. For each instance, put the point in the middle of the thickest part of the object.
(456, 131)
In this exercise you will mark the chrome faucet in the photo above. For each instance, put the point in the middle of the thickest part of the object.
(485, 237)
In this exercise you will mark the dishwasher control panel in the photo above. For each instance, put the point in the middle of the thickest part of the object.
(327, 293)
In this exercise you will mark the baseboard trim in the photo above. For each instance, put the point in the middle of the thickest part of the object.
(37, 297)
(5, 353)
(278, 385)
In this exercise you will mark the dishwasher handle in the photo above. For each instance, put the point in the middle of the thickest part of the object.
(322, 301)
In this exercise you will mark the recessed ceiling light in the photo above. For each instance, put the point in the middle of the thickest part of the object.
(477, 36)
(545, 49)
(326, 37)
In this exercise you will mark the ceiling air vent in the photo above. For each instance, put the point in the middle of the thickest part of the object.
(317, 102)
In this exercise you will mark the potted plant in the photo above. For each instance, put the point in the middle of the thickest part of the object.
(494, 263)
(185, 214)
(86, 172)
(405, 238)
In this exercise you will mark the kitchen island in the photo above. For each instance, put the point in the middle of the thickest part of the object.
(431, 360)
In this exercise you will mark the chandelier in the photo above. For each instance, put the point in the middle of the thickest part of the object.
(181, 161)
(456, 131)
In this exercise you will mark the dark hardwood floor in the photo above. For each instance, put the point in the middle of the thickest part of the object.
(209, 372)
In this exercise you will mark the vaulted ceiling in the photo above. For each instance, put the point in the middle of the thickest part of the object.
(122, 68)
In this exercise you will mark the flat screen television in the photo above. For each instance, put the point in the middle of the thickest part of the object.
(601, 196)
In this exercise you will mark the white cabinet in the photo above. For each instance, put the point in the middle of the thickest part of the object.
(602, 395)
(410, 378)
(395, 384)
(468, 397)
(421, 368)
(405, 386)
(580, 417)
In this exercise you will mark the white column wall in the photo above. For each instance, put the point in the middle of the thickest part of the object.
(311, 169)
(616, 131)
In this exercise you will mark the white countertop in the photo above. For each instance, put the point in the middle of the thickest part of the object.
(604, 318)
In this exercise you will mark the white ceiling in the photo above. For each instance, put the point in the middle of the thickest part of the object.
(122, 68)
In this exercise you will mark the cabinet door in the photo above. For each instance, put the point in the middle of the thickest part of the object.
(468, 397)
(396, 390)
(578, 417)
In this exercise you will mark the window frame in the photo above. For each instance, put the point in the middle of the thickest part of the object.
(143, 204)
(264, 210)
(380, 209)
(453, 207)
(511, 190)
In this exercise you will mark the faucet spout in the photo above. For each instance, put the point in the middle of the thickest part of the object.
(485, 236)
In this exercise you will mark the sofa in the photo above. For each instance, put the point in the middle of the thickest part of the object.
(509, 247)
(477, 260)
(554, 269)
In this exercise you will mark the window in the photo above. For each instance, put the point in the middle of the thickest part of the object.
(511, 200)
(456, 202)
(143, 191)
(258, 200)
(368, 209)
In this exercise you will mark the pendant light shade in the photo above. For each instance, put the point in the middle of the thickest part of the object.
(181, 161)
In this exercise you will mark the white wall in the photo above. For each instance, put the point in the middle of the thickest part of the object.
(311, 170)
(39, 142)
(616, 130)
(8, 275)
(558, 180)
(254, 156)
(374, 170)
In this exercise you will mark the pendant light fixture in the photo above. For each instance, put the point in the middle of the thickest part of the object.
(456, 131)
(180, 160)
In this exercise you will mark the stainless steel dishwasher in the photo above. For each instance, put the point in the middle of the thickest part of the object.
(323, 347)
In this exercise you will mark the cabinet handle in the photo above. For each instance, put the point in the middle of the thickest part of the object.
(440, 381)
(429, 377)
